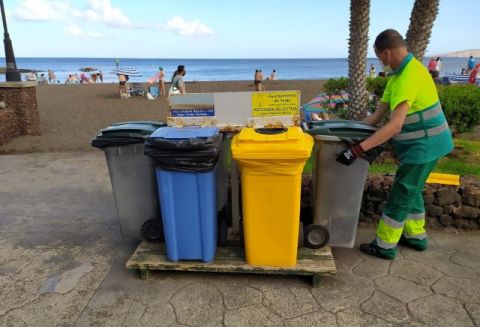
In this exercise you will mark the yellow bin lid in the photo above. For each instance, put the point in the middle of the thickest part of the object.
(286, 143)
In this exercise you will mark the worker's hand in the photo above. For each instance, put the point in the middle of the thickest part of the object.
(347, 157)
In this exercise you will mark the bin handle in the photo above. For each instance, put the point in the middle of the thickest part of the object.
(270, 131)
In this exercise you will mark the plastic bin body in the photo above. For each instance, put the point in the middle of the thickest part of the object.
(134, 189)
(187, 194)
(271, 173)
(132, 174)
(189, 214)
(337, 191)
(223, 171)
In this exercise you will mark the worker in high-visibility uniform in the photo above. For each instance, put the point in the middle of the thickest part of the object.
(420, 137)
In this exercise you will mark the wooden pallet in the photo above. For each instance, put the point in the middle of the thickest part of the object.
(151, 256)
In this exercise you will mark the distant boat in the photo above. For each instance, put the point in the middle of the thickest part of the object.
(459, 78)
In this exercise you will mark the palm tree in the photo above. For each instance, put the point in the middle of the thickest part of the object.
(423, 16)
(357, 57)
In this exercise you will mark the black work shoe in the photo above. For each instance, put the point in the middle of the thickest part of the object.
(375, 251)
(419, 245)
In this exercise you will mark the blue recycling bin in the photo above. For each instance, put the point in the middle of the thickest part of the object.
(186, 161)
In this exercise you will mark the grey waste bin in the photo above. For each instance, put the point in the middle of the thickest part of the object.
(337, 189)
(132, 175)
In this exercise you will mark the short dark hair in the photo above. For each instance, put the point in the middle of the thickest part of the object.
(389, 39)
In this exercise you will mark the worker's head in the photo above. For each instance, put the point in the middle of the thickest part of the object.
(390, 48)
(471, 57)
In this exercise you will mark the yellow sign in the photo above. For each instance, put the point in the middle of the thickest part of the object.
(277, 103)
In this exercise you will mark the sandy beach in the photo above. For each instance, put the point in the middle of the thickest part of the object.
(70, 115)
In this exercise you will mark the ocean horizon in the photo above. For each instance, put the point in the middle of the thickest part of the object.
(215, 69)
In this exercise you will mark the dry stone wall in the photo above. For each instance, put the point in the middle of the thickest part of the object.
(446, 206)
(20, 113)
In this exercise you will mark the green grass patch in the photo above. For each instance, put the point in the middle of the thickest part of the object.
(464, 160)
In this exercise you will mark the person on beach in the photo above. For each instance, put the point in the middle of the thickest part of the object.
(257, 82)
(31, 77)
(122, 86)
(420, 137)
(161, 81)
(100, 76)
(373, 73)
(273, 76)
(473, 75)
(471, 64)
(431, 65)
(438, 65)
(43, 80)
(178, 84)
(51, 77)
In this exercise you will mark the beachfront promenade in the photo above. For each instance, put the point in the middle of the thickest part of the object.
(62, 263)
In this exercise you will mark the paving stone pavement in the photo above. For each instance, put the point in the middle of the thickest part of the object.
(62, 263)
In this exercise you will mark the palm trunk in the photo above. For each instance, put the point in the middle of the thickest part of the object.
(357, 57)
(423, 17)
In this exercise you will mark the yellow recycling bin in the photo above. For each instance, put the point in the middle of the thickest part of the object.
(271, 163)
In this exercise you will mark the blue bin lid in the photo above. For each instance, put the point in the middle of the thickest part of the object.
(184, 132)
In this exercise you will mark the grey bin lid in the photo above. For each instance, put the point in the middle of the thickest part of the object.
(335, 130)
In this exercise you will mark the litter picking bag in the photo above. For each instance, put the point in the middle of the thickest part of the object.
(193, 154)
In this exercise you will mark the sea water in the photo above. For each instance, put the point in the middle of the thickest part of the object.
(212, 69)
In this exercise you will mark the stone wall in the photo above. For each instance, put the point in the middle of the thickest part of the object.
(20, 115)
(446, 206)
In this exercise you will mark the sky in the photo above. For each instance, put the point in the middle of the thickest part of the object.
(218, 28)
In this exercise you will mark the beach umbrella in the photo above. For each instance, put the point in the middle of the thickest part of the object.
(325, 101)
(130, 71)
(322, 103)
(88, 69)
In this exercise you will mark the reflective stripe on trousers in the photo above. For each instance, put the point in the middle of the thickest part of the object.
(388, 232)
(415, 226)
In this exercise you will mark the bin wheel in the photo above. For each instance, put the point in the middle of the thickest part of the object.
(316, 236)
(152, 231)
(300, 235)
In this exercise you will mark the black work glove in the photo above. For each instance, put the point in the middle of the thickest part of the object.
(348, 156)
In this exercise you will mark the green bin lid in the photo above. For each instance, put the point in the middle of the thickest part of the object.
(125, 133)
(340, 128)
(132, 128)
